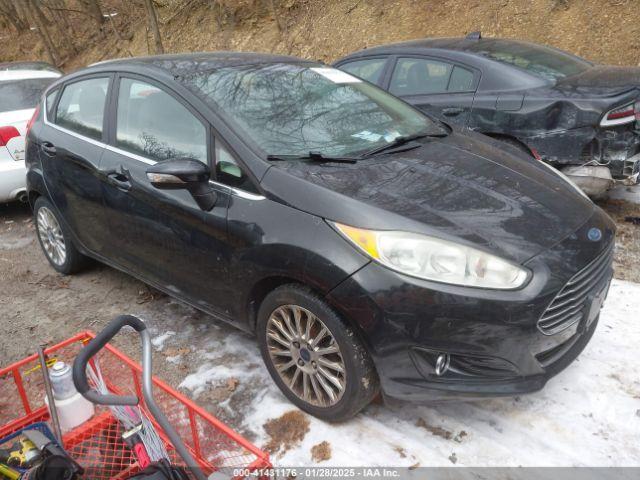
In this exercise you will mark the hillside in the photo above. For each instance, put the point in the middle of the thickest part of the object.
(606, 31)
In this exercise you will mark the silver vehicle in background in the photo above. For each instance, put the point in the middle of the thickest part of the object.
(21, 85)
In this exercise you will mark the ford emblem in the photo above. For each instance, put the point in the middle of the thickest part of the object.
(594, 234)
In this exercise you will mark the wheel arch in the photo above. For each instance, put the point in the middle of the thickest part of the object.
(266, 285)
(260, 290)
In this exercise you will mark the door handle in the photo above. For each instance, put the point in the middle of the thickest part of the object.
(48, 148)
(119, 180)
(452, 111)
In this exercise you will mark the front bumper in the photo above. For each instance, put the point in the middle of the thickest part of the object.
(492, 337)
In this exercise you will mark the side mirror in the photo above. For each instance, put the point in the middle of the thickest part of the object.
(184, 174)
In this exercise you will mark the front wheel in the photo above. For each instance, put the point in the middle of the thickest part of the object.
(314, 358)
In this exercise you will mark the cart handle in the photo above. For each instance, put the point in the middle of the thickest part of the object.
(91, 349)
(82, 385)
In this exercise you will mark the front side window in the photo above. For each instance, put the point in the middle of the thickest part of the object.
(22, 94)
(295, 109)
(81, 107)
(369, 70)
(229, 172)
(420, 76)
(152, 123)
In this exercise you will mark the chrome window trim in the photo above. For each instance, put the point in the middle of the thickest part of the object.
(236, 191)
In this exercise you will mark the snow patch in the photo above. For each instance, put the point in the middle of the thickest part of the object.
(159, 341)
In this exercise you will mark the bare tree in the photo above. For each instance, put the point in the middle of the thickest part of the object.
(276, 15)
(13, 15)
(153, 26)
(93, 9)
(40, 21)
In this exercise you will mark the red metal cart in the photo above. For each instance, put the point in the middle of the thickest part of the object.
(97, 444)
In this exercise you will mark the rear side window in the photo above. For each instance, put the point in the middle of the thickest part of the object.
(81, 107)
(152, 123)
(461, 80)
(50, 102)
(369, 70)
(22, 94)
(420, 76)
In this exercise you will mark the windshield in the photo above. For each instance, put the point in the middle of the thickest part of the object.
(543, 62)
(290, 109)
(22, 94)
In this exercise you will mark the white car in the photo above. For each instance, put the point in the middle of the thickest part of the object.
(20, 91)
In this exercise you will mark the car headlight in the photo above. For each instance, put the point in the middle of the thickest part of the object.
(435, 259)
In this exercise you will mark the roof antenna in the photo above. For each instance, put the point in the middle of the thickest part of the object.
(474, 36)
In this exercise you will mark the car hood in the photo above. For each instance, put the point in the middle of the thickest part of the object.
(458, 188)
(603, 79)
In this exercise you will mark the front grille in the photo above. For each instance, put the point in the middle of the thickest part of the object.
(567, 308)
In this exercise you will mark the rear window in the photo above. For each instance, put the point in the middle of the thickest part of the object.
(543, 62)
(22, 94)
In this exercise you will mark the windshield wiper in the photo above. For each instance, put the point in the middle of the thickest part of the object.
(312, 156)
(401, 140)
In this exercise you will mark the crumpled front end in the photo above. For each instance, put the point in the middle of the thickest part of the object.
(616, 147)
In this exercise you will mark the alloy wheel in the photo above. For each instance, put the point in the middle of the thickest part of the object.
(51, 236)
(306, 355)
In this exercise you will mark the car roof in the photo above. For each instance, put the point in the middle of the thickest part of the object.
(204, 60)
(8, 75)
(470, 44)
(28, 65)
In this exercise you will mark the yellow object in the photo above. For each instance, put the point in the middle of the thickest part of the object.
(364, 239)
(24, 457)
(8, 472)
(50, 363)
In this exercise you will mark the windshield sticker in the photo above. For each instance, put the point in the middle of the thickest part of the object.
(367, 135)
(391, 136)
(336, 76)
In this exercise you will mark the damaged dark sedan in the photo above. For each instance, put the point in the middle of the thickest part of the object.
(368, 247)
(576, 115)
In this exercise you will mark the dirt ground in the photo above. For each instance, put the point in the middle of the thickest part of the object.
(39, 306)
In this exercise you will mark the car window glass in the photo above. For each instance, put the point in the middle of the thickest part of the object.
(369, 70)
(229, 172)
(81, 107)
(294, 109)
(543, 62)
(22, 94)
(50, 102)
(152, 123)
(461, 80)
(419, 76)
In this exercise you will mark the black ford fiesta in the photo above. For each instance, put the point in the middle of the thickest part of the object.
(369, 247)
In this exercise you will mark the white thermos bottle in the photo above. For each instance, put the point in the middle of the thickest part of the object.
(73, 409)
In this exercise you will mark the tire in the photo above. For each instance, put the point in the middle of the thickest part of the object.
(355, 387)
(55, 240)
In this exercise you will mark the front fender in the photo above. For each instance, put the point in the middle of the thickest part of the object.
(293, 246)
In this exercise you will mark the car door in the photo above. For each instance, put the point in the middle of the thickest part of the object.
(162, 236)
(71, 149)
(435, 86)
